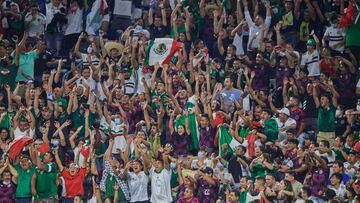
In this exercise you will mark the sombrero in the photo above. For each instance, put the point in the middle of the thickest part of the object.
(113, 45)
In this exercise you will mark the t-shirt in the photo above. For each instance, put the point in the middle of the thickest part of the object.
(289, 122)
(160, 186)
(23, 188)
(238, 43)
(41, 63)
(74, 184)
(261, 79)
(18, 133)
(35, 26)
(340, 192)
(335, 34)
(138, 186)
(311, 61)
(75, 22)
(78, 120)
(326, 119)
(330, 157)
(46, 181)
(254, 30)
(289, 22)
(26, 62)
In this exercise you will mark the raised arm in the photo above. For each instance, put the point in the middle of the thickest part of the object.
(58, 161)
(315, 96)
(77, 45)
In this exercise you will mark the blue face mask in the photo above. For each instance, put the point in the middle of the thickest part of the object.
(200, 154)
(172, 165)
(55, 143)
(117, 121)
(220, 166)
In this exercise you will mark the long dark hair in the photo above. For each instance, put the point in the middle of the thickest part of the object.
(288, 187)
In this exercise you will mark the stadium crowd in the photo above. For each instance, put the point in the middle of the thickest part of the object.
(191, 101)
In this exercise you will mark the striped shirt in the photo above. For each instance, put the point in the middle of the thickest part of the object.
(335, 35)
(311, 61)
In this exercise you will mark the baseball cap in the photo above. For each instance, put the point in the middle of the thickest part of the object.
(311, 42)
(207, 170)
(62, 102)
(285, 111)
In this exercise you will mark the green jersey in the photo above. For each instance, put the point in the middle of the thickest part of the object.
(46, 181)
(23, 188)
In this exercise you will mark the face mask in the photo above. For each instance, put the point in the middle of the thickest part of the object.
(200, 154)
(241, 122)
(358, 107)
(117, 121)
(89, 50)
(220, 166)
(138, 27)
(338, 113)
(55, 143)
(172, 165)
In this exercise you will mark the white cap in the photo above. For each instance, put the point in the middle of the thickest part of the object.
(285, 111)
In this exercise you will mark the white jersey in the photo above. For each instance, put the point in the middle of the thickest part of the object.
(138, 186)
(335, 35)
(18, 133)
(36, 26)
(254, 30)
(160, 186)
(75, 22)
(311, 60)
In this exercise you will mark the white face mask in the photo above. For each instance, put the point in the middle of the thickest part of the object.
(200, 154)
(6, 182)
(173, 165)
(89, 50)
(117, 121)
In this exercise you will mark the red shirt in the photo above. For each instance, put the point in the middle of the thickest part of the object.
(74, 184)
(327, 68)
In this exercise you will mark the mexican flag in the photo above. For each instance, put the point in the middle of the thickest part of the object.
(161, 50)
(86, 149)
(17, 146)
(226, 138)
(194, 132)
(94, 19)
(193, 125)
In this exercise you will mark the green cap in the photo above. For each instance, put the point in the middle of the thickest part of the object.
(62, 102)
(311, 42)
